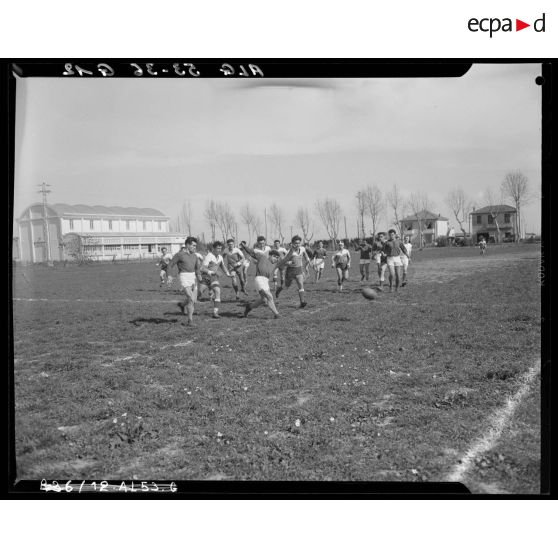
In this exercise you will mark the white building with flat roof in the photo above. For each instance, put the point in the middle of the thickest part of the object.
(96, 232)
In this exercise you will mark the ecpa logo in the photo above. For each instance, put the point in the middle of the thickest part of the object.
(494, 24)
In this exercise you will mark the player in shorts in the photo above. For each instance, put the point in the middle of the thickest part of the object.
(234, 260)
(379, 257)
(405, 259)
(266, 267)
(298, 263)
(163, 264)
(365, 251)
(189, 273)
(341, 261)
(393, 248)
(211, 265)
(318, 263)
(310, 254)
(279, 275)
(482, 245)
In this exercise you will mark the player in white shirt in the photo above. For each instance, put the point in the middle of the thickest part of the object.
(279, 275)
(482, 245)
(211, 265)
(405, 259)
(341, 261)
(163, 264)
(234, 260)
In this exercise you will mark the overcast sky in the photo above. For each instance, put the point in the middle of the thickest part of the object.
(159, 142)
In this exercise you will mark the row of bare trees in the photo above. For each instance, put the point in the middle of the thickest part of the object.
(372, 205)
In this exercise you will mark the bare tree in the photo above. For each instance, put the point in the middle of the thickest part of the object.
(329, 212)
(397, 204)
(361, 208)
(419, 203)
(303, 222)
(258, 226)
(374, 205)
(248, 218)
(225, 220)
(210, 214)
(495, 200)
(276, 218)
(185, 218)
(516, 187)
(460, 206)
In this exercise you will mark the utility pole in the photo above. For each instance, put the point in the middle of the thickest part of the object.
(44, 191)
(265, 219)
(346, 235)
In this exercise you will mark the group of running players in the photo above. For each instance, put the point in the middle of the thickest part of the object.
(198, 274)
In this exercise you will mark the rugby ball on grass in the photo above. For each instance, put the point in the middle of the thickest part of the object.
(369, 293)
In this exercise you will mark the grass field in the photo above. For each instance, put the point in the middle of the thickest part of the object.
(110, 383)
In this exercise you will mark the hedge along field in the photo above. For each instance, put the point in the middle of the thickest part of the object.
(110, 383)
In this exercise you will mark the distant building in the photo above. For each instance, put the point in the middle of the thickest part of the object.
(484, 223)
(433, 227)
(98, 232)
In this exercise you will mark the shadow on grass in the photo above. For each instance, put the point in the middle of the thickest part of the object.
(139, 321)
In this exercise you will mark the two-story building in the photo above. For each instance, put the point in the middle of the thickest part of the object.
(484, 220)
(432, 225)
(99, 232)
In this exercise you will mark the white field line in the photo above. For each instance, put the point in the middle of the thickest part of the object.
(137, 355)
(497, 422)
(325, 305)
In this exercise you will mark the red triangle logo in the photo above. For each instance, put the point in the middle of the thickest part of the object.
(519, 25)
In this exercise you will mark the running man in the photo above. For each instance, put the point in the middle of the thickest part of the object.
(405, 259)
(365, 251)
(279, 275)
(393, 249)
(266, 269)
(188, 265)
(310, 254)
(482, 245)
(341, 261)
(212, 263)
(298, 263)
(318, 263)
(379, 257)
(234, 259)
(163, 264)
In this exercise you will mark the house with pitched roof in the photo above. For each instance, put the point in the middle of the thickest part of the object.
(57, 232)
(496, 223)
(431, 226)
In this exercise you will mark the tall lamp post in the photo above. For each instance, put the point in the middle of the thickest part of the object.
(44, 191)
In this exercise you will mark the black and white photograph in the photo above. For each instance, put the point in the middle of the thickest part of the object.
(254, 278)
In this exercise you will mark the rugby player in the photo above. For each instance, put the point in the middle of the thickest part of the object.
(318, 263)
(365, 251)
(163, 265)
(279, 275)
(341, 261)
(406, 258)
(379, 257)
(189, 273)
(393, 248)
(266, 268)
(234, 259)
(298, 263)
(212, 263)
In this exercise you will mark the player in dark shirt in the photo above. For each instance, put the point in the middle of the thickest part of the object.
(365, 251)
